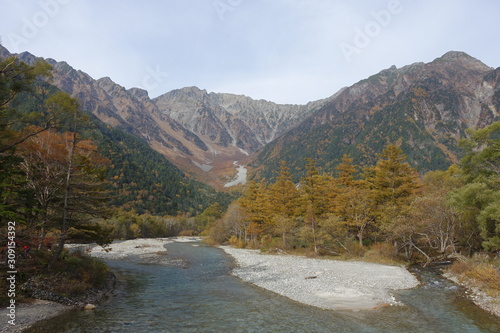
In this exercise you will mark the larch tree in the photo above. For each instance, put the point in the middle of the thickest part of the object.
(284, 197)
(352, 202)
(257, 206)
(393, 184)
(314, 187)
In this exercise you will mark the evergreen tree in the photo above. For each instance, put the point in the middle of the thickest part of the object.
(479, 199)
(16, 77)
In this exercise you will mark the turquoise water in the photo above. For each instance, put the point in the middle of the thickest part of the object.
(204, 297)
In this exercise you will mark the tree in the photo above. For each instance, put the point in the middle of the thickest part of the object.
(257, 206)
(432, 226)
(82, 194)
(16, 77)
(43, 165)
(357, 210)
(284, 197)
(346, 171)
(208, 217)
(352, 202)
(393, 184)
(478, 201)
(314, 188)
(283, 193)
(233, 223)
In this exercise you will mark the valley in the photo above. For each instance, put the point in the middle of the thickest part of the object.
(424, 108)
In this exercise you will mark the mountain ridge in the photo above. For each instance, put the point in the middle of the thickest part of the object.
(207, 134)
(423, 107)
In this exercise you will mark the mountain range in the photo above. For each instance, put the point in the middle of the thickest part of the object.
(425, 108)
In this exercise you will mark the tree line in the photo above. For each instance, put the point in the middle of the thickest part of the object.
(419, 217)
(66, 176)
(52, 175)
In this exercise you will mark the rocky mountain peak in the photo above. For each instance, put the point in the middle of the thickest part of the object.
(4, 53)
(464, 59)
(186, 93)
(139, 93)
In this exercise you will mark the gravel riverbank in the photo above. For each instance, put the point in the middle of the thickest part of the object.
(478, 296)
(145, 250)
(327, 284)
(29, 313)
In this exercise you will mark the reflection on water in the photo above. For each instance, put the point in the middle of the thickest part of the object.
(204, 297)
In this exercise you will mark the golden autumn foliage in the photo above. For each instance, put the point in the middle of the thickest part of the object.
(383, 210)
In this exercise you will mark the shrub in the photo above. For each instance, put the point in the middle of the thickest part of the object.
(384, 253)
(236, 242)
(188, 233)
(478, 272)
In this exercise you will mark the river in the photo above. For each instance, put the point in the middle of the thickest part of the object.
(204, 297)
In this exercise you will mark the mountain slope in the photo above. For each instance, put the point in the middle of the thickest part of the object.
(425, 108)
(232, 126)
(201, 133)
(138, 177)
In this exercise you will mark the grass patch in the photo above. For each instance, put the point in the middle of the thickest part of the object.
(481, 272)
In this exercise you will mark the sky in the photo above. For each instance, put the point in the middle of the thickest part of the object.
(284, 51)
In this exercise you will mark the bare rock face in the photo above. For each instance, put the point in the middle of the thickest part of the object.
(229, 119)
(191, 127)
(423, 107)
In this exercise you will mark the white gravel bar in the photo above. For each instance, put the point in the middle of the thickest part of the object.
(327, 284)
(138, 247)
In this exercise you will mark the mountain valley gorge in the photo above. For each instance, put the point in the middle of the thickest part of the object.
(425, 108)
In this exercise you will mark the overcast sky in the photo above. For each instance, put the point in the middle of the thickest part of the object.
(285, 51)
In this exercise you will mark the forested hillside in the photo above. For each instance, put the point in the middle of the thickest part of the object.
(386, 209)
(423, 108)
(143, 180)
(137, 177)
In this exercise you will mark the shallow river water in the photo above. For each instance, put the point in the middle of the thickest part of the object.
(204, 297)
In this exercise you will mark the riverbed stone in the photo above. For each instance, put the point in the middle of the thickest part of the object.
(89, 307)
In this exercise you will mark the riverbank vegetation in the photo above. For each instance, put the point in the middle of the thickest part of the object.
(386, 210)
(66, 177)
